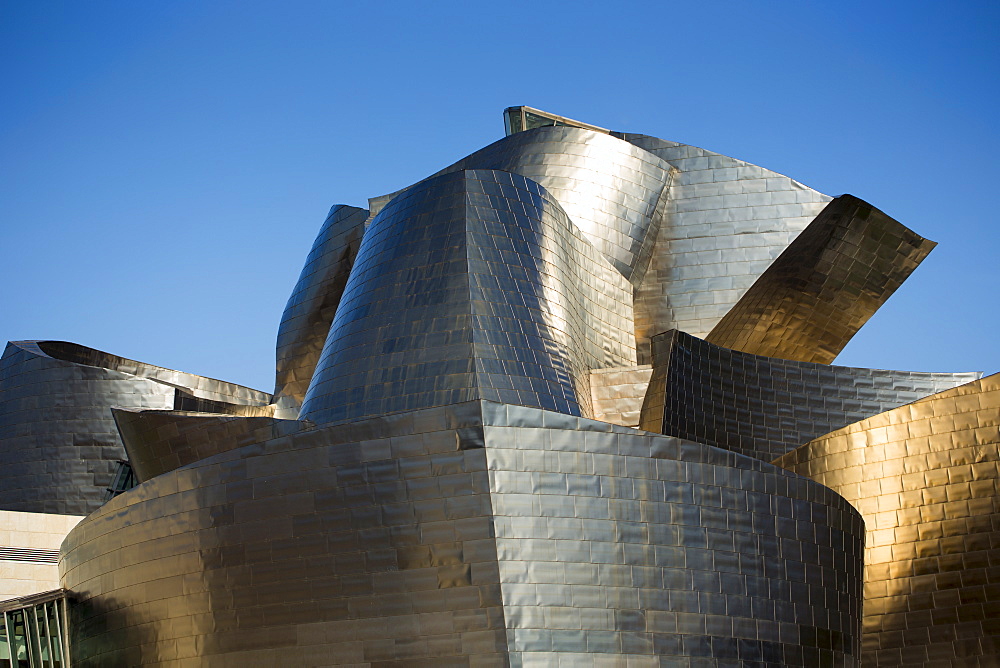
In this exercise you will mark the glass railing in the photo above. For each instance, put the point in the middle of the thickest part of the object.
(33, 632)
(518, 119)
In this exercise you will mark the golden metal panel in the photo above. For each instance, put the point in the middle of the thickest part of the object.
(933, 541)
(819, 292)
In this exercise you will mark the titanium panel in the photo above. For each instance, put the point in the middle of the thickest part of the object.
(472, 534)
(188, 384)
(612, 190)
(445, 500)
(824, 286)
(360, 544)
(617, 547)
(618, 393)
(472, 285)
(763, 406)
(725, 221)
(161, 441)
(925, 477)
(58, 443)
(312, 305)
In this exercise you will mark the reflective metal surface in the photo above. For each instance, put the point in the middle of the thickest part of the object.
(309, 312)
(763, 406)
(59, 446)
(472, 285)
(725, 221)
(161, 441)
(824, 286)
(618, 393)
(439, 494)
(927, 479)
(614, 192)
(472, 534)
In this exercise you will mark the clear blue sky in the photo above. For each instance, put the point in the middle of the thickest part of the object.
(164, 166)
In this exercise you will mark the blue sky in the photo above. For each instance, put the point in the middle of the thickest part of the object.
(165, 166)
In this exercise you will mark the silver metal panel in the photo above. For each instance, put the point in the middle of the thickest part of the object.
(764, 406)
(725, 221)
(472, 285)
(653, 549)
(312, 305)
(59, 446)
(161, 441)
(473, 534)
(610, 189)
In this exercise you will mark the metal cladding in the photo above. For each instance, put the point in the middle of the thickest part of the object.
(161, 441)
(58, 443)
(471, 534)
(618, 393)
(613, 191)
(724, 223)
(309, 312)
(463, 484)
(472, 285)
(824, 286)
(927, 479)
(765, 407)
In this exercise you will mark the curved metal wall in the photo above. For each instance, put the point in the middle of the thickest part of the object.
(763, 406)
(819, 292)
(474, 534)
(725, 221)
(59, 446)
(189, 384)
(612, 190)
(312, 305)
(58, 442)
(472, 285)
(444, 498)
(926, 477)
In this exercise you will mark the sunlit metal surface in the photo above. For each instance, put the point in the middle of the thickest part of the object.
(763, 406)
(926, 477)
(725, 221)
(824, 286)
(438, 494)
(618, 393)
(59, 446)
(309, 312)
(473, 534)
(161, 441)
(472, 285)
(613, 191)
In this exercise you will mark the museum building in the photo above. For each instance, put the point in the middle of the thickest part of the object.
(568, 401)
